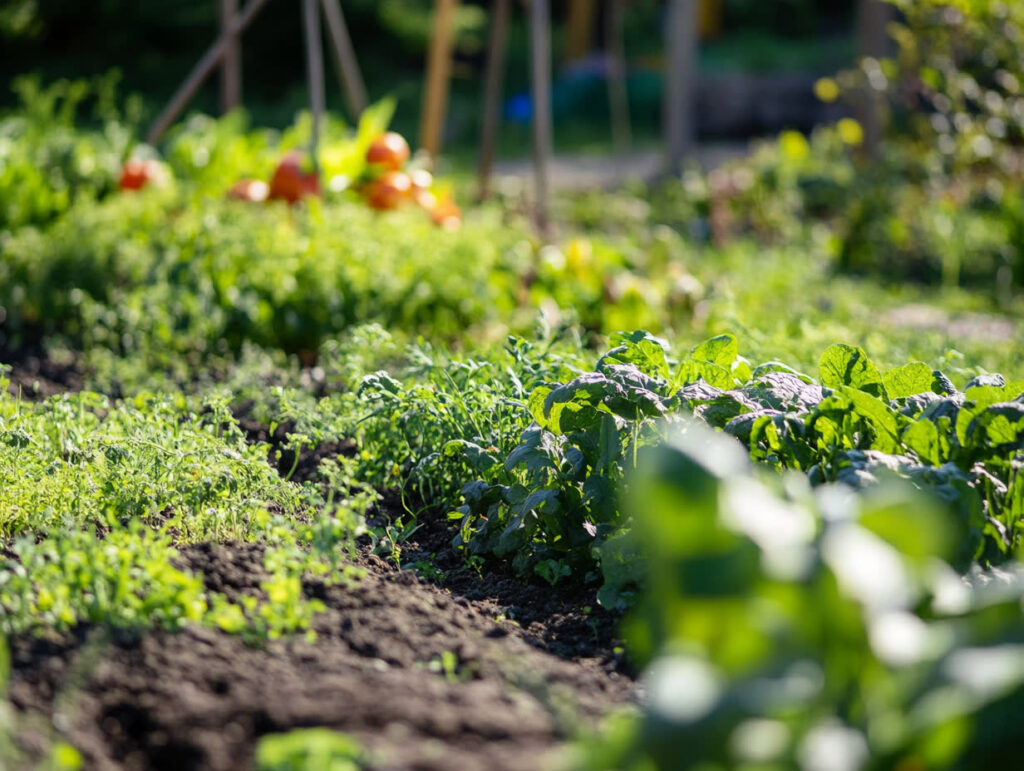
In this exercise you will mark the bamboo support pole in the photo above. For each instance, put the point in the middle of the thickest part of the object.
(873, 16)
(494, 78)
(579, 29)
(345, 58)
(231, 65)
(439, 64)
(315, 71)
(201, 70)
(618, 93)
(681, 45)
(540, 70)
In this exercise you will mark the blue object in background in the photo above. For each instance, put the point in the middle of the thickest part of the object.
(519, 109)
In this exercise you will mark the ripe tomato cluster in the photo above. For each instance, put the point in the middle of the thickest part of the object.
(387, 182)
(390, 186)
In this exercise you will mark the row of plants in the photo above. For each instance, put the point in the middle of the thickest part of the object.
(529, 447)
(99, 499)
(179, 277)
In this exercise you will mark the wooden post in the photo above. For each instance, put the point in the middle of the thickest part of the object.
(345, 58)
(492, 94)
(201, 70)
(540, 71)
(315, 70)
(439, 65)
(618, 93)
(873, 16)
(579, 29)
(231, 65)
(681, 45)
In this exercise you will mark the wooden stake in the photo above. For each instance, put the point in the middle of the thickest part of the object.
(315, 70)
(579, 29)
(201, 70)
(681, 45)
(492, 94)
(618, 93)
(231, 66)
(540, 60)
(439, 65)
(873, 16)
(345, 58)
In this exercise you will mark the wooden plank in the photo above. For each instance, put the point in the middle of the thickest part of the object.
(439, 65)
(315, 71)
(618, 93)
(231, 65)
(540, 72)
(579, 29)
(681, 48)
(493, 80)
(345, 58)
(201, 70)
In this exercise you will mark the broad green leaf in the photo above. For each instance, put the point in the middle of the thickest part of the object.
(879, 415)
(610, 445)
(908, 521)
(908, 380)
(721, 350)
(741, 370)
(1001, 424)
(536, 404)
(845, 365)
(690, 371)
(976, 399)
(922, 438)
(777, 366)
(641, 349)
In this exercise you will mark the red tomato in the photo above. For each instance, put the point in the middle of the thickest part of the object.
(388, 191)
(249, 190)
(291, 181)
(389, 150)
(137, 173)
(422, 181)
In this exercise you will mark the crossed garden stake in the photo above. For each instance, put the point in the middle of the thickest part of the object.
(226, 53)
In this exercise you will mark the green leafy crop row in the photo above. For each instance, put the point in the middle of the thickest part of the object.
(97, 498)
(551, 504)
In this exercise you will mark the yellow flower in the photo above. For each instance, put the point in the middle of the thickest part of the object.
(826, 89)
(850, 132)
(793, 145)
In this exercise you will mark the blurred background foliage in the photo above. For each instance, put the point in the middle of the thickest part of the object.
(155, 43)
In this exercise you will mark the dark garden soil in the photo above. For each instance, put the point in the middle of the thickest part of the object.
(471, 670)
(37, 377)
(526, 666)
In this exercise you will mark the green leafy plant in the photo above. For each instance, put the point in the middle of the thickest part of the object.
(309, 749)
(739, 674)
